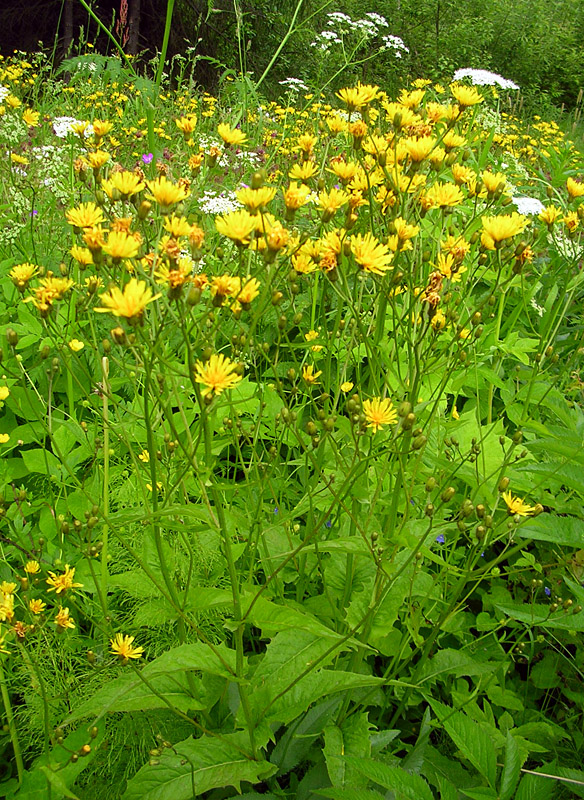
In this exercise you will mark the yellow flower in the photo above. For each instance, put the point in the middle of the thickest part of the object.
(457, 246)
(442, 195)
(465, 96)
(21, 274)
(225, 286)
(379, 412)
(296, 196)
(331, 202)
(186, 125)
(4, 437)
(121, 245)
(550, 214)
(370, 254)
(575, 188)
(497, 229)
(358, 96)
(310, 337)
(494, 181)
(344, 170)
(248, 292)
(36, 606)
(450, 140)
(16, 159)
(6, 607)
(50, 291)
(122, 647)
(4, 392)
(231, 135)
(419, 149)
(237, 226)
(144, 456)
(303, 172)
(63, 619)
(101, 127)
(31, 118)
(463, 174)
(7, 587)
(346, 386)
(404, 229)
(62, 583)
(166, 193)
(571, 221)
(87, 215)
(515, 505)
(309, 375)
(216, 375)
(76, 345)
(98, 158)
(82, 255)
(32, 567)
(306, 142)
(125, 183)
(438, 321)
(130, 303)
(253, 199)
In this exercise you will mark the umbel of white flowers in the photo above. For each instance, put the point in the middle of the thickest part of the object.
(482, 77)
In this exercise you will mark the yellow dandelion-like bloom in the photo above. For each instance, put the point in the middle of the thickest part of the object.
(129, 303)
(443, 195)
(306, 142)
(370, 254)
(571, 221)
(93, 238)
(456, 246)
(21, 274)
(4, 392)
(346, 386)
(63, 620)
(575, 188)
(166, 193)
(231, 135)
(466, 96)
(50, 291)
(253, 199)
(186, 125)
(82, 255)
(225, 286)
(32, 567)
(62, 583)
(248, 292)
(379, 412)
(493, 181)
(504, 226)
(344, 170)
(515, 505)
(101, 127)
(122, 647)
(124, 183)
(216, 375)
(86, 215)
(6, 607)
(550, 215)
(309, 375)
(177, 226)
(98, 159)
(330, 202)
(451, 140)
(7, 587)
(419, 149)
(30, 117)
(463, 174)
(120, 245)
(358, 96)
(36, 606)
(303, 172)
(237, 226)
(144, 456)
(295, 196)
(404, 229)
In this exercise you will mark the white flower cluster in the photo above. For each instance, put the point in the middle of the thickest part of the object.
(370, 26)
(294, 85)
(219, 203)
(4, 92)
(63, 126)
(482, 77)
(528, 205)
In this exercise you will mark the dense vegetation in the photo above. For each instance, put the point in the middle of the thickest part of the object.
(291, 496)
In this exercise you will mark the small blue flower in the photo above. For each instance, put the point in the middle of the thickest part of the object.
(547, 590)
(440, 538)
(276, 510)
(328, 524)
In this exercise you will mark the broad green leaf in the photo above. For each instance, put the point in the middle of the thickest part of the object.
(511, 769)
(471, 739)
(350, 739)
(41, 460)
(541, 615)
(273, 618)
(455, 663)
(298, 740)
(58, 784)
(533, 787)
(448, 790)
(567, 531)
(350, 794)
(404, 785)
(195, 766)
(481, 793)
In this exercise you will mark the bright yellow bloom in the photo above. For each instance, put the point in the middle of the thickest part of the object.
(295, 196)
(571, 221)
(186, 125)
(248, 292)
(36, 606)
(4, 392)
(225, 286)
(346, 386)
(21, 274)
(4, 438)
(87, 215)
(76, 345)
(6, 607)
(62, 583)
(411, 99)
(253, 199)
(122, 647)
(82, 255)
(358, 96)
(101, 127)
(237, 226)
(309, 375)
(404, 229)
(463, 174)
(63, 619)
(332, 201)
(575, 188)
(379, 412)
(50, 291)
(125, 183)
(450, 140)
(504, 226)
(306, 142)
(550, 215)
(303, 172)
(32, 567)
(31, 118)
(515, 505)
(465, 96)
(98, 158)
(130, 303)
(370, 254)
(216, 375)
(443, 195)
(419, 149)
(344, 170)
(493, 181)
(7, 587)
(231, 135)
(178, 226)
(166, 193)
(120, 245)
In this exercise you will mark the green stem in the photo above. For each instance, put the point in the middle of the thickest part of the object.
(167, 27)
(11, 725)
(110, 36)
(105, 495)
(280, 47)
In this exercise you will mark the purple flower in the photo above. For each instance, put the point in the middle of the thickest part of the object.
(328, 524)
(440, 538)
(547, 590)
(147, 158)
(33, 213)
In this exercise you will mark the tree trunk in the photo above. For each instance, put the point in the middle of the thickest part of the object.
(68, 28)
(134, 27)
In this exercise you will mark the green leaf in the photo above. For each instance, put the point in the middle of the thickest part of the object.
(41, 460)
(352, 738)
(542, 616)
(404, 785)
(567, 531)
(533, 787)
(448, 791)
(298, 740)
(471, 739)
(481, 793)
(58, 784)
(195, 766)
(350, 794)
(511, 769)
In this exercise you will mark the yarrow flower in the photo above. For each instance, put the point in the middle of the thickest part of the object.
(482, 77)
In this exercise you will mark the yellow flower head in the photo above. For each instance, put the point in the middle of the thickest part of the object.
(575, 188)
(63, 620)
(404, 229)
(86, 215)
(21, 274)
(120, 245)
(466, 96)
(186, 125)
(98, 158)
(32, 567)
(101, 127)
(231, 135)
(346, 386)
(122, 647)
(443, 195)
(358, 96)
(370, 254)
(419, 149)
(178, 226)
(550, 215)
(253, 199)
(303, 172)
(216, 375)
(36, 606)
(62, 583)
(166, 193)
(493, 181)
(237, 226)
(332, 201)
(31, 118)
(309, 375)
(296, 196)
(515, 505)
(379, 412)
(504, 226)
(129, 303)
(123, 183)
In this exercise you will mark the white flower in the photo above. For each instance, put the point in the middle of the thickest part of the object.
(482, 77)
(528, 205)
(211, 203)
(294, 85)
(537, 307)
(377, 19)
(4, 92)
(395, 43)
(62, 126)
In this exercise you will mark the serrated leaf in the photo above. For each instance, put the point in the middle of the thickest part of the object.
(197, 765)
(58, 784)
(351, 738)
(511, 769)
(533, 787)
(404, 785)
(470, 738)
(567, 531)
(298, 740)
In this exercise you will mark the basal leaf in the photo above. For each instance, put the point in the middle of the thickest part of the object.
(404, 785)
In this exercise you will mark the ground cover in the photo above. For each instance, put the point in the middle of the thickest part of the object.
(291, 437)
